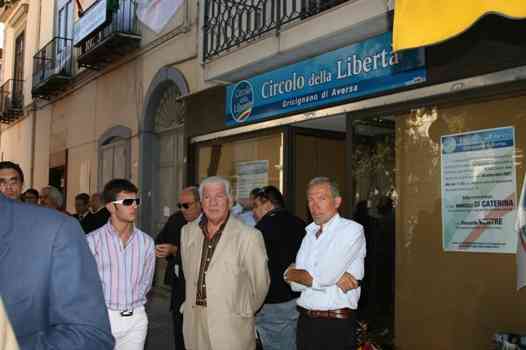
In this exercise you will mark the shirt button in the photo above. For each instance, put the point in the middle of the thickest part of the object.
(209, 247)
(208, 259)
(204, 285)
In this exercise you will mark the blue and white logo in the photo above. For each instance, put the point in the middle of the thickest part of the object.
(242, 101)
(449, 144)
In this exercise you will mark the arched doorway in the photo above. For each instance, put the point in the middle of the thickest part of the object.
(162, 148)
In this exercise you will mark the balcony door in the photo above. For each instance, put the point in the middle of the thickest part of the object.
(18, 71)
(64, 33)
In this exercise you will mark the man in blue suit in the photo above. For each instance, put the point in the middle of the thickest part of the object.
(49, 281)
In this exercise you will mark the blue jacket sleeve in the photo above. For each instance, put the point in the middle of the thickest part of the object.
(78, 319)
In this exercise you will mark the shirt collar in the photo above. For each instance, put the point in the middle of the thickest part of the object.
(273, 211)
(313, 227)
(96, 211)
(114, 232)
(198, 219)
(203, 222)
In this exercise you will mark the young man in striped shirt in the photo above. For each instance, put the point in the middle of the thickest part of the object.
(125, 260)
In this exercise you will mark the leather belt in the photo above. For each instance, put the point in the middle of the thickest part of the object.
(340, 314)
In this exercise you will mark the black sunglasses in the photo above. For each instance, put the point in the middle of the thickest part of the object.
(128, 201)
(184, 205)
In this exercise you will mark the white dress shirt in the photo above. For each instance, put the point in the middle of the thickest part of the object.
(339, 249)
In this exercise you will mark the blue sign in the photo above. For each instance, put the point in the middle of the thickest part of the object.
(477, 141)
(355, 71)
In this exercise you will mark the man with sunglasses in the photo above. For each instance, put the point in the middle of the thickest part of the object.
(125, 259)
(168, 242)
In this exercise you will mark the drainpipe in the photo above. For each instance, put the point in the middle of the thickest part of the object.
(34, 105)
(33, 142)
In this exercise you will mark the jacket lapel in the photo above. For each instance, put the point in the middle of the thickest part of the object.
(6, 225)
(195, 243)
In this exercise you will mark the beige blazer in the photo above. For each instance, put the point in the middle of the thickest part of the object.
(237, 283)
(7, 337)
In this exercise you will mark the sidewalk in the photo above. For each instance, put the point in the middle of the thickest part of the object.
(160, 335)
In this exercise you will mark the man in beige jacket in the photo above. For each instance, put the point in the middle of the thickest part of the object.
(227, 277)
(7, 337)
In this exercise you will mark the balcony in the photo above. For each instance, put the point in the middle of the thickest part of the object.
(245, 38)
(117, 36)
(231, 23)
(11, 100)
(52, 67)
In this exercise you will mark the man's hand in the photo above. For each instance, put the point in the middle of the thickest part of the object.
(299, 276)
(347, 282)
(164, 250)
(291, 266)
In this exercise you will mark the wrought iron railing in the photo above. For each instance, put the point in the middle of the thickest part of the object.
(122, 21)
(230, 23)
(11, 100)
(55, 58)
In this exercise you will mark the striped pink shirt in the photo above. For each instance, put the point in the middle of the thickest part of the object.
(126, 272)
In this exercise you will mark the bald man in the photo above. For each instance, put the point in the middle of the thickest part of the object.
(168, 242)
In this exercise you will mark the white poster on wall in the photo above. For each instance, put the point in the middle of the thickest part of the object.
(249, 176)
(479, 191)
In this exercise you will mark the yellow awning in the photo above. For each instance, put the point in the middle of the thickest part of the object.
(425, 22)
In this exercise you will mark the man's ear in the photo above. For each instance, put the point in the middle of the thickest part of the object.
(337, 202)
(110, 207)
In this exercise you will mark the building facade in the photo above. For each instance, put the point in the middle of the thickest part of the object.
(427, 145)
(313, 88)
(91, 93)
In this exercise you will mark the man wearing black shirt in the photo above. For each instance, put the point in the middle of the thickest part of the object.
(283, 233)
(82, 212)
(167, 246)
(99, 215)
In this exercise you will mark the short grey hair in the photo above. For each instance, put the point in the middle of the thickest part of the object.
(216, 180)
(323, 180)
(194, 191)
(55, 195)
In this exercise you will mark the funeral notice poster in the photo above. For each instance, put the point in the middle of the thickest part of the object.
(250, 175)
(479, 191)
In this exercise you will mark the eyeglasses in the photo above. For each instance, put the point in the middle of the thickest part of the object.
(184, 205)
(128, 201)
(9, 182)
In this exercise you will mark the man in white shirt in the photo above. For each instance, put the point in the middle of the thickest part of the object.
(329, 265)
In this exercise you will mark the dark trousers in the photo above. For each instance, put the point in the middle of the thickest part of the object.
(178, 329)
(324, 334)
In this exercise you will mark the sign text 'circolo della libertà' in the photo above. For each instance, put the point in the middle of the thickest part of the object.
(355, 71)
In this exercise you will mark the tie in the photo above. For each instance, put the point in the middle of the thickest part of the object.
(318, 234)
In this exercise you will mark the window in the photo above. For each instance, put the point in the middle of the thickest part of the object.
(19, 71)
(114, 155)
(247, 163)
